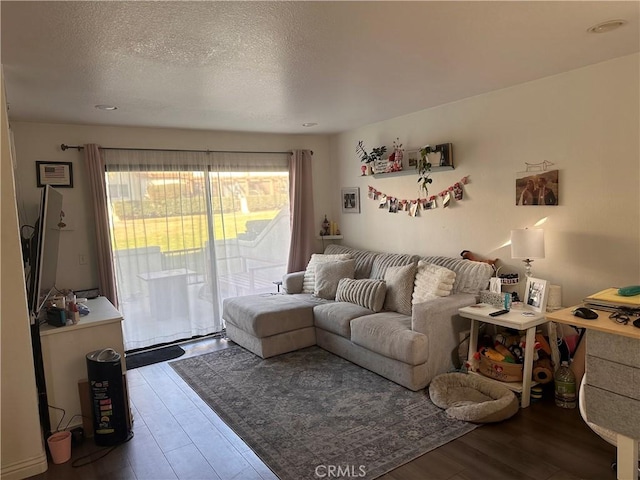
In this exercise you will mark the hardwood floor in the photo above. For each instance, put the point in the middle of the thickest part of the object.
(177, 436)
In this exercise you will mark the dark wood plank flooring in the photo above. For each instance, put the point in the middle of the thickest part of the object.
(177, 436)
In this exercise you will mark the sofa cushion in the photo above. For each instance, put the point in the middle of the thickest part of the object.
(390, 334)
(471, 277)
(364, 258)
(364, 292)
(309, 280)
(386, 260)
(336, 317)
(328, 274)
(399, 282)
(266, 315)
(432, 281)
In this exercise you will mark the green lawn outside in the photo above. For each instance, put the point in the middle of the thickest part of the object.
(181, 232)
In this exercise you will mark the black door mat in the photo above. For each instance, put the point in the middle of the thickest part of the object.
(135, 360)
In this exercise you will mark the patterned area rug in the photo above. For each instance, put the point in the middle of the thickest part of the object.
(310, 414)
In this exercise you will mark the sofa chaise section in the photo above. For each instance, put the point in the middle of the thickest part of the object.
(270, 325)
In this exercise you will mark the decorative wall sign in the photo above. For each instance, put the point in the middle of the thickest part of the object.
(56, 174)
(413, 206)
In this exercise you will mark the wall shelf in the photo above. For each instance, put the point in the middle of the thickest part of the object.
(329, 237)
(434, 169)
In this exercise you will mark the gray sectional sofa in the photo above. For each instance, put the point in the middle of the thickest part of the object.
(393, 314)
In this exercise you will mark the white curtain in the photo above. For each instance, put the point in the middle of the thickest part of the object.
(190, 229)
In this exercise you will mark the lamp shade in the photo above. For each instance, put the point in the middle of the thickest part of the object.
(527, 243)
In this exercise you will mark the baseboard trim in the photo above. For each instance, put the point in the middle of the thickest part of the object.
(25, 468)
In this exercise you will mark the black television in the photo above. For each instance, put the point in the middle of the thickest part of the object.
(42, 260)
(43, 251)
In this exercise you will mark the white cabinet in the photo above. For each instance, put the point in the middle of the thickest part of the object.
(64, 351)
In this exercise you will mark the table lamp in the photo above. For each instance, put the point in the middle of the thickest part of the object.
(527, 245)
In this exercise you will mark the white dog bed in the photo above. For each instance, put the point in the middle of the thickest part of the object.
(473, 398)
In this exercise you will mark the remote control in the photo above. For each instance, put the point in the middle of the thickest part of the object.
(499, 312)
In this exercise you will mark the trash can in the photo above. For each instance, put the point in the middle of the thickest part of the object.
(108, 404)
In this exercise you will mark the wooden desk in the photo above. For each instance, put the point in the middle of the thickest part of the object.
(603, 323)
(609, 388)
(64, 351)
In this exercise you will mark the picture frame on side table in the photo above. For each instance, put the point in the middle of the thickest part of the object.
(536, 294)
(56, 174)
(350, 200)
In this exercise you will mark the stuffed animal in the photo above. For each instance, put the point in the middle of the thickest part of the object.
(467, 255)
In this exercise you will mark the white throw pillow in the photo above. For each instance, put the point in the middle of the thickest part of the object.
(328, 274)
(309, 280)
(365, 292)
(400, 281)
(432, 281)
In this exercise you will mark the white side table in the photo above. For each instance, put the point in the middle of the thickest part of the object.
(516, 320)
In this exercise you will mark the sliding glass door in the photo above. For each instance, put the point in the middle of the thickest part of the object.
(186, 235)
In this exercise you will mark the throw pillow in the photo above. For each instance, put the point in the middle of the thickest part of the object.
(432, 281)
(328, 274)
(400, 281)
(309, 280)
(471, 277)
(364, 292)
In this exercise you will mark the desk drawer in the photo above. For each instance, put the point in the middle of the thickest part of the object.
(614, 377)
(612, 411)
(619, 349)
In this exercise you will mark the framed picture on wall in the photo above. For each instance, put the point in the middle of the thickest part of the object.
(56, 174)
(536, 294)
(537, 188)
(350, 200)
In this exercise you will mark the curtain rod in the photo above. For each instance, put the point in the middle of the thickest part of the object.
(64, 147)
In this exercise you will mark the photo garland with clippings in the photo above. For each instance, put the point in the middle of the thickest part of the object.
(413, 207)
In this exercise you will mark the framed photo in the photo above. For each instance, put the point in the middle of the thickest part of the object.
(411, 158)
(537, 188)
(351, 200)
(536, 294)
(56, 174)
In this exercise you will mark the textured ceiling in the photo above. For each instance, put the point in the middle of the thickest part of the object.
(271, 66)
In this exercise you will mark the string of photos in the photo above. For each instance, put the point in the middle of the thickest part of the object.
(413, 206)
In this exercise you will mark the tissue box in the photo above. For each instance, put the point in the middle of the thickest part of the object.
(493, 298)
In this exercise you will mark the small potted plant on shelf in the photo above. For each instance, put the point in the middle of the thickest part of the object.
(424, 168)
(368, 158)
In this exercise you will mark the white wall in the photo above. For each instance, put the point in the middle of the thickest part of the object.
(23, 453)
(584, 121)
(36, 141)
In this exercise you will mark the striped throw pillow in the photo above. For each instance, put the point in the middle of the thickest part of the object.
(364, 292)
